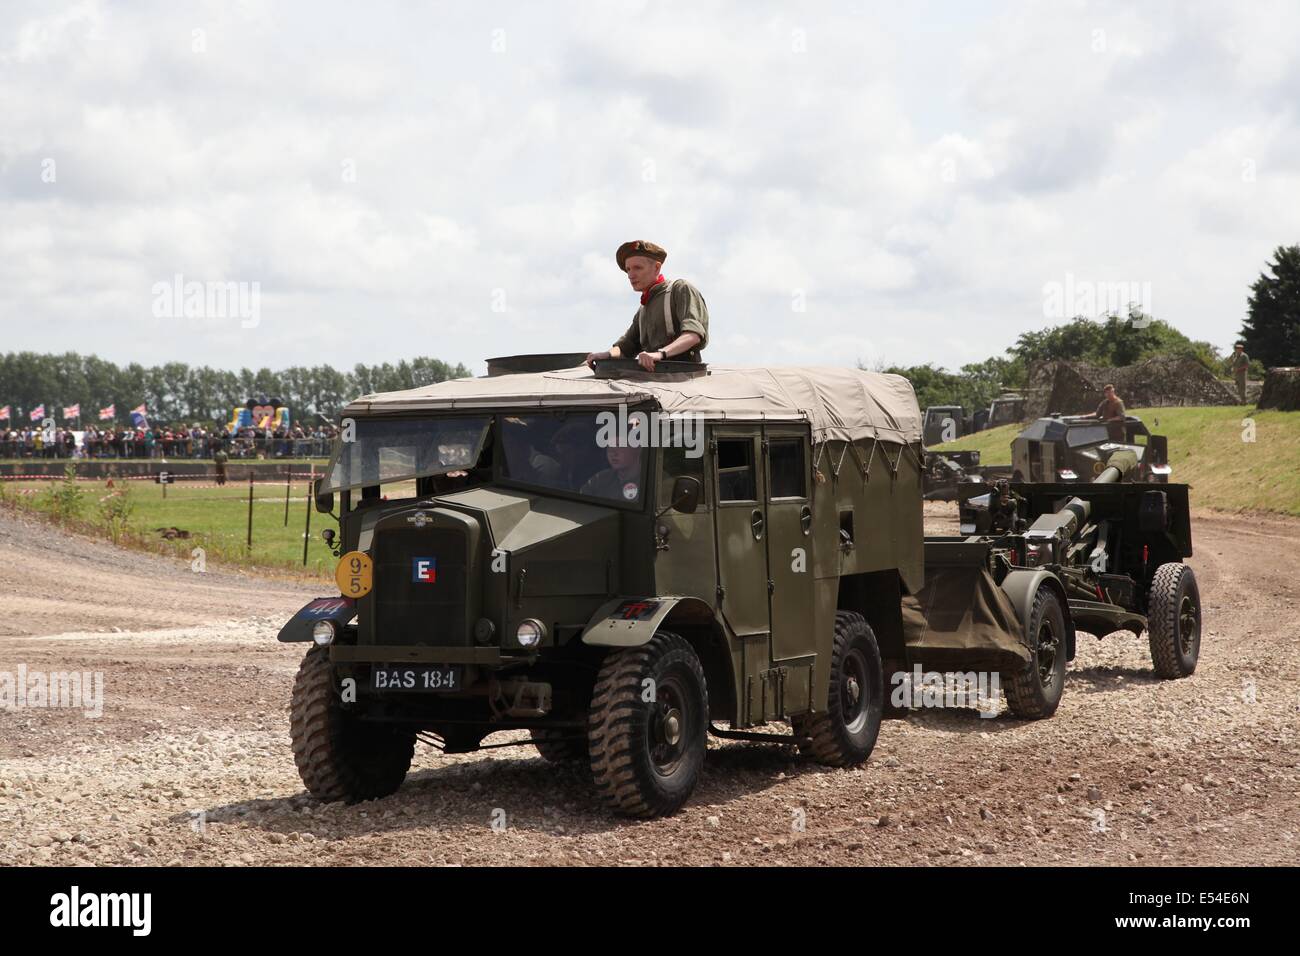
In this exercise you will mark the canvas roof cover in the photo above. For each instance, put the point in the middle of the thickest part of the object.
(842, 404)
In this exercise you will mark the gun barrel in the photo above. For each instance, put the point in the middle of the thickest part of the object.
(1117, 468)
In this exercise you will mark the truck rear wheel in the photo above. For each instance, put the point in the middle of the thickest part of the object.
(647, 725)
(1174, 621)
(1035, 692)
(845, 734)
(339, 756)
(560, 746)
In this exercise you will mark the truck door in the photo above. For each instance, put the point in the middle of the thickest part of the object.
(789, 541)
(741, 527)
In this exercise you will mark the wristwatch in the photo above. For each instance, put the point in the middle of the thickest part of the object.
(663, 355)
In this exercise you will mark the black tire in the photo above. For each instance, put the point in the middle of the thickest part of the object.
(845, 733)
(1174, 621)
(339, 756)
(1035, 692)
(647, 756)
(560, 746)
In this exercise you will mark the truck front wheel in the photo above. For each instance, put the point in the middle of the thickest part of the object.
(340, 757)
(846, 733)
(1174, 621)
(1035, 692)
(647, 725)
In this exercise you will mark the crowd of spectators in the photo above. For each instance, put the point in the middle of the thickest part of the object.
(119, 441)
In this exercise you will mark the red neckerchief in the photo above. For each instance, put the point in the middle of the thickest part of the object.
(645, 296)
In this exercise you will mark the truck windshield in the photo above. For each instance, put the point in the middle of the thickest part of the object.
(1087, 435)
(388, 450)
(570, 452)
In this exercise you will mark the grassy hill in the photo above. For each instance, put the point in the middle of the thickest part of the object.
(1209, 450)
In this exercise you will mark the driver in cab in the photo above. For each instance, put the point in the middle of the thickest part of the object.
(621, 479)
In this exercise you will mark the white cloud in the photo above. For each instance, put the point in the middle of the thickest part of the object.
(914, 172)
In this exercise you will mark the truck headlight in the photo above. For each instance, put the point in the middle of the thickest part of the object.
(530, 633)
(323, 633)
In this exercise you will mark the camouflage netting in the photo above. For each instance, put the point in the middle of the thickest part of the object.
(1073, 388)
(1281, 389)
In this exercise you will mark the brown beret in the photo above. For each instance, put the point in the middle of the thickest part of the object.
(639, 247)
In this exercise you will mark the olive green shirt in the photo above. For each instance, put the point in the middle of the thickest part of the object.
(1240, 362)
(649, 331)
(1110, 408)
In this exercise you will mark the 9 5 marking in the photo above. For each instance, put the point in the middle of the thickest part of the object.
(354, 574)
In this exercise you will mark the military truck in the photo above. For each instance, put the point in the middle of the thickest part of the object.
(1059, 448)
(943, 423)
(620, 563)
(1007, 409)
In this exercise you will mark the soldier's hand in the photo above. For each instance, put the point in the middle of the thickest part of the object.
(647, 360)
(592, 357)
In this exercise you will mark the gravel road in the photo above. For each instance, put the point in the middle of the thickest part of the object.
(189, 762)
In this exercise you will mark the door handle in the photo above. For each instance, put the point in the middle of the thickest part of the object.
(756, 524)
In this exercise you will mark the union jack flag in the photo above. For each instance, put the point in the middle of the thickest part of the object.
(107, 413)
(37, 413)
(4, 413)
(72, 411)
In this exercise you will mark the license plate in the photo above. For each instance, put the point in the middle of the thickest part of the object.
(419, 678)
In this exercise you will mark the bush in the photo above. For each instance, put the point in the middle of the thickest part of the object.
(64, 500)
(115, 510)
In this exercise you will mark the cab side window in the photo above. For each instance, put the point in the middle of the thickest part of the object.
(736, 470)
(786, 461)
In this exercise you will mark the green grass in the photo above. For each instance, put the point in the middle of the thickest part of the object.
(1207, 450)
(217, 519)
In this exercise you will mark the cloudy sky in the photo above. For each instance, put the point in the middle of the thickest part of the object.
(888, 182)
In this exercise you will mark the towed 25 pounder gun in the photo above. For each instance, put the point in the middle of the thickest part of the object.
(1100, 557)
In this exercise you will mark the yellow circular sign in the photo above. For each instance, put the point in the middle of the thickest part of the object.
(355, 574)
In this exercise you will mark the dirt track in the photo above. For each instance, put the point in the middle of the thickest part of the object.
(190, 761)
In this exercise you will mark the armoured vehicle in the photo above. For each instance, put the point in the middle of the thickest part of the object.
(619, 563)
(1076, 448)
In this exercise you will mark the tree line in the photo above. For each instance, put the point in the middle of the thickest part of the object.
(1270, 333)
(176, 392)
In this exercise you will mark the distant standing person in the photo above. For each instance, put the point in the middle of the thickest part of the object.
(1111, 411)
(219, 457)
(1240, 366)
(672, 322)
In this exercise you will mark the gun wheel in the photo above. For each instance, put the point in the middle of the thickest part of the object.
(340, 757)
(845, 734)
(646, 727)
(1035, 692)
(1174, 621)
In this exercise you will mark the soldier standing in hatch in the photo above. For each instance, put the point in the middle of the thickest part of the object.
(672, 322)
(1240, 366)
(1111, 411)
